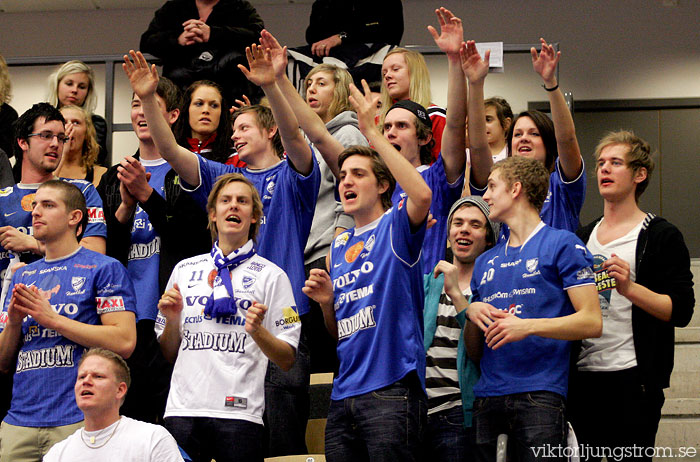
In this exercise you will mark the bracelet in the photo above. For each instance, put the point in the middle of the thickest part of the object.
(555, 87)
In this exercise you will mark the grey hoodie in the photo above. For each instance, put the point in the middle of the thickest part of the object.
(329, 212)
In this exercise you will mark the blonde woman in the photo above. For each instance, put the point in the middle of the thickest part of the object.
(74, 84)
(405, 76)
(80, 153)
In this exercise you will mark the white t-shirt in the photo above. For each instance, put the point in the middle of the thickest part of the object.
(124, 441)
(614, 350)
(220, 370)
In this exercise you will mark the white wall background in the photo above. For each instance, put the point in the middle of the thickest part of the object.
(612, 49)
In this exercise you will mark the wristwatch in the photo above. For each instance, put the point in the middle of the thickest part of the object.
(343, 36)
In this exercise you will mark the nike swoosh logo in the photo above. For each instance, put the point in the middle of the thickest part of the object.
(337, 265)
(10, 214)
(189, 286)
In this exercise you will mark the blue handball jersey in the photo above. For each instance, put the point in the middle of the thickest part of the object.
(378, 295)
(444, 195)
(530, 281)
(562, 207)
(289, 202)
(16, 211)
(144, 251)
(81, 286)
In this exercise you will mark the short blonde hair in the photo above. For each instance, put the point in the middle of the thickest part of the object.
(5, 83)
(419, 81)
(90, 148)
(638, 156)
(73, 67)
(341, 93)
(530, 173)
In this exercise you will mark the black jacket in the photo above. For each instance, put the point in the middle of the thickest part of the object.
(178, 219)
(364, 21)
(663, 266)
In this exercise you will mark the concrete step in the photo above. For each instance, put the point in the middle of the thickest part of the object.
(687, 335)
(695, 269)
(687, 357)
(679, 438)
(684, 384)
(681, 407)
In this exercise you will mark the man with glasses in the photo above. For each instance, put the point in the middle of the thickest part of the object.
(40, 138)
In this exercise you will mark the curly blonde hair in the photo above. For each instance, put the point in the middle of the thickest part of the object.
(90, 146)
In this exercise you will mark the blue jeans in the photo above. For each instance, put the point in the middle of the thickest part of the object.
(226, 440)
(446, 438)
(531, 420)
(384, 425)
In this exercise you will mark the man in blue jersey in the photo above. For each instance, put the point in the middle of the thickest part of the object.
(408, 128)
(288, 189)
(372, 302)
(531, 295)
(40, 138)
(152, 225)
(72, 299)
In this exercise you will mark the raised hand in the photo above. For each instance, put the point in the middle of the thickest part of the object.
(365, 106)
(239, 104)
(170, 304)
(254, 317)
(620, 270)
(545, 63)
(15, 240)
(278, 53)
(319, 287)
(261, 72)
(144, 80)
(451, 32)
(474, 67)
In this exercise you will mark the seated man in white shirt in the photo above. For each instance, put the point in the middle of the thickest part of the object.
(103, 380)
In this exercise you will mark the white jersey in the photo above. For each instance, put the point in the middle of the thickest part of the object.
(126, 440)
(220, 370)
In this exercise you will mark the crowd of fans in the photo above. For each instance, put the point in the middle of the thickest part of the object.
(430, 264)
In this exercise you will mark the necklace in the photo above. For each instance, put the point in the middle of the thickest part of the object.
(93, 438)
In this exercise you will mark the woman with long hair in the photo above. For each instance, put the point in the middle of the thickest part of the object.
(74, 84)
(531, 134)
(204, 125)
(80, 152)
(405, 76)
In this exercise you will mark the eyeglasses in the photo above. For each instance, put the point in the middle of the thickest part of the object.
(48, 136)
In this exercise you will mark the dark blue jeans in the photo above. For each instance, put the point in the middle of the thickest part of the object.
(446, 438)
(533, 422)
(385, 425)
(226, 440)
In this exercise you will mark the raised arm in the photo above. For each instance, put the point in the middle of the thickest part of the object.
(453, 138)
(418, 192)
(320, 288)
(476, 71)
(144, 81)
(309, 121)
(545, 64)
(261, 73)
(170, 306)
